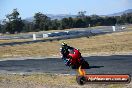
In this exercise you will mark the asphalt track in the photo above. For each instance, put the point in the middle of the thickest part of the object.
(116, 64)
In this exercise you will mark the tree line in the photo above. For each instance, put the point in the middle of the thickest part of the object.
(15, 24)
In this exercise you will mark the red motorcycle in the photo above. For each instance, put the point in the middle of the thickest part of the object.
(76, 60)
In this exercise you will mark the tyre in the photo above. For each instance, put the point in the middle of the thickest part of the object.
(81, 80)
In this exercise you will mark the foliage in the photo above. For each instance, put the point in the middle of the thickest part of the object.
(41, 22)
(13, 23)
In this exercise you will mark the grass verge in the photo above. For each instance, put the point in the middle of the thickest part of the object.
(49, 81)
(109, 43)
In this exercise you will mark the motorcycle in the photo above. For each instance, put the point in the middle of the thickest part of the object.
(76, 60)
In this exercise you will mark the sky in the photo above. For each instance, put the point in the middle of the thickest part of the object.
(27, 8)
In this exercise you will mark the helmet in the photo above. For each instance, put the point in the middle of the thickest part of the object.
(63, 44)
(64, 48)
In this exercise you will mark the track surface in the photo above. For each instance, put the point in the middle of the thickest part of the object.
(117, 64)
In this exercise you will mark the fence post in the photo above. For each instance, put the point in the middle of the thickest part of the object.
(34, 37)
(113, 27)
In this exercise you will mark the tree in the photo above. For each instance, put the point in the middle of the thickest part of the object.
(65, 23)
(14, 23)
(54, 25)
(42, 22)
(87, 21)
(28, 26)
(94, 20)
(0, 28)
(81, 14)
(119, 20)
(71, 22)
(129, 18)
(78, 23)
(81, 19)
(110, 21)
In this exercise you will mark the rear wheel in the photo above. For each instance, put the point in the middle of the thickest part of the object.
(85, 65)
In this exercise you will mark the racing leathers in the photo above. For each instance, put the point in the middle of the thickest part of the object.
(65, 54)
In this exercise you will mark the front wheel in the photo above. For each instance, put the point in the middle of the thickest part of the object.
(81, 80)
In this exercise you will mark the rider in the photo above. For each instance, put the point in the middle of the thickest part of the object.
(65, 49)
